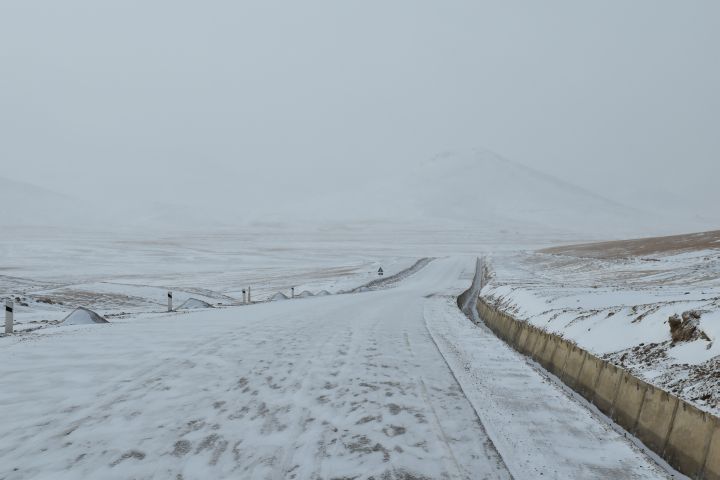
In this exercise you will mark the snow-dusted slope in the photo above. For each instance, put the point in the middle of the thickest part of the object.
(616, 300)
(481, 186)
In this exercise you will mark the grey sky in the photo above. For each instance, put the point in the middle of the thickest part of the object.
(204, 101)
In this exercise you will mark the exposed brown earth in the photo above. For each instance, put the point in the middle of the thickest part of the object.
(642, 246)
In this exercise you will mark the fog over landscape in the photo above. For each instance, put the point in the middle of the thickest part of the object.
(369, 240)
(180, 114)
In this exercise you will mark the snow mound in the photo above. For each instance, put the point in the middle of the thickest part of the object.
(194, 303)
(305, 294)
(322, 293)
(278, 296)
(83, 316)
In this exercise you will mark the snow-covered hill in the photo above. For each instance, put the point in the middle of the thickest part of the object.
(481, 186)
(482, 190)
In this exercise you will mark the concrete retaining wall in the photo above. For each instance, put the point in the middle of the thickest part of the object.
(573, 366)
(712, 462)
(606, 387)
(687, 438)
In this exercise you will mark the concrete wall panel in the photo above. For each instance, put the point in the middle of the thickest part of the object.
(655, 419)
(545, 356)
(606, 387)
(534, 335)
(557, 361)
(629, 401)
(712, 463)
(572, 367)
(513, 329)
(522, 338)
(689, 438)
(588, 376)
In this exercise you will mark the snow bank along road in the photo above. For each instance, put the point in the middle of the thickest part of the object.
(386, 384)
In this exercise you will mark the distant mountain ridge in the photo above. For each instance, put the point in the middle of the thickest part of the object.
(485, 186)
(475, 189)
(479, 189)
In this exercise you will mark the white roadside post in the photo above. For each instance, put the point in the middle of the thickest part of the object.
(244, 296)
(169, 301)
(8, 316)
(249, 299)
(292, 292)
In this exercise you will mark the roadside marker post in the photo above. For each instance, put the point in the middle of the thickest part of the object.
(8, 316)
(249, 299)
(292, 292)
(244, 296)
(169, 301)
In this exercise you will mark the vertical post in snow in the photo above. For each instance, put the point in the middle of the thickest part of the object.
(292, 292)
(169, 301)
(249, 299)
(244, 296)
(8, 316)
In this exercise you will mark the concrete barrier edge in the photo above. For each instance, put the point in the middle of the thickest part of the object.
(684, 436)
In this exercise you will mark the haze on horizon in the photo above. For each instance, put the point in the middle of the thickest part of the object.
(219, 104)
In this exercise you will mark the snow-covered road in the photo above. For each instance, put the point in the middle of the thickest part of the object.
(346, 386)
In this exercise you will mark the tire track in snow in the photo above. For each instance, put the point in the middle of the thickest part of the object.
(436, 420)
(491, 443)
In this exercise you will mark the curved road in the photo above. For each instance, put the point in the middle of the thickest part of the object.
(385, 384)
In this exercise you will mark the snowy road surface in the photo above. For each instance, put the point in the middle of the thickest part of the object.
(347, 386)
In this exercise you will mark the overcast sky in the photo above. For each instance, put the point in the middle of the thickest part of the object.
(180, 101)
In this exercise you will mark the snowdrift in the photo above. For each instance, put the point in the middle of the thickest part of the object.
(193, 304)
(278, 297)
(83, 316)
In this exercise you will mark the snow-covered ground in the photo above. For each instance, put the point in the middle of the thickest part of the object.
(616, 299)
(393, 383)
(386, 381)
(51, 272)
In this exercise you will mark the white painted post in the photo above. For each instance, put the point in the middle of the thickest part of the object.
(169, 301)
(292, 292)
(249, 299)
(244, 296)
(8, 316)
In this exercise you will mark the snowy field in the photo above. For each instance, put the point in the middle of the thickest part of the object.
(392, 383)
(616, 299)
(51, 271)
